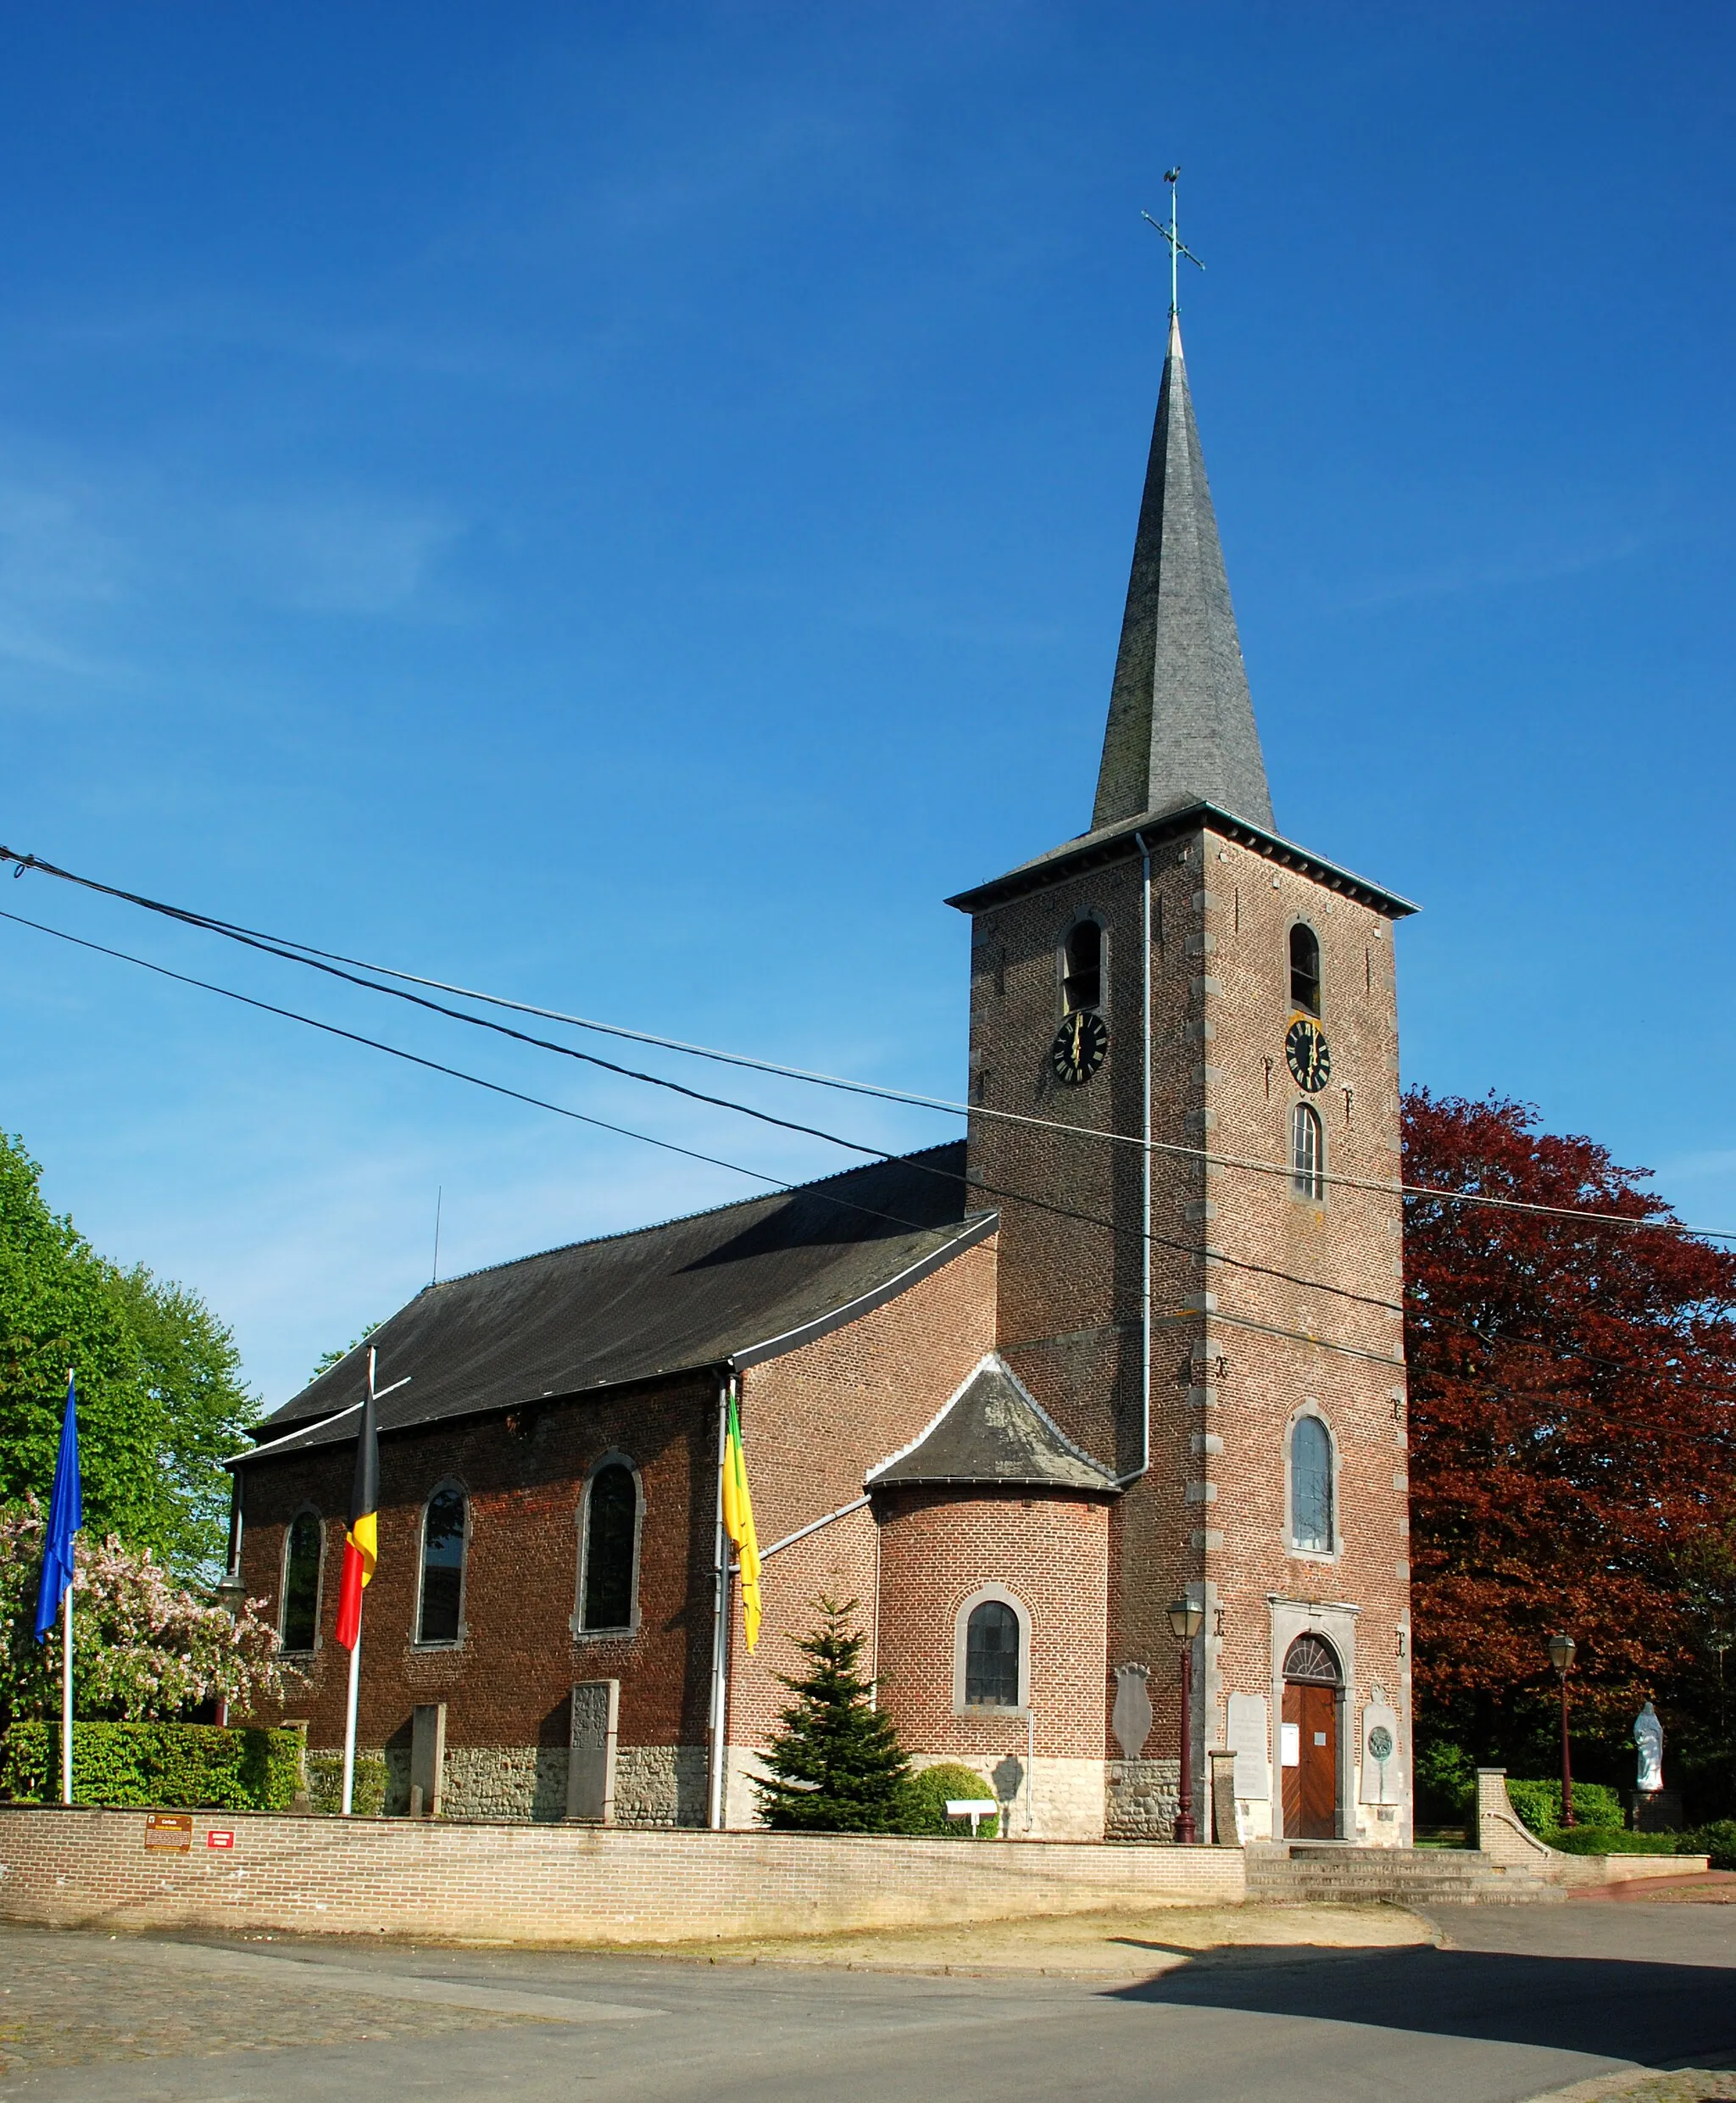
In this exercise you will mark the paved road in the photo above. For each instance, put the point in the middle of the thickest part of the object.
(1518, 2001)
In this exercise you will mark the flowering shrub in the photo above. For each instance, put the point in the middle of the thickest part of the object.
(144, 1647)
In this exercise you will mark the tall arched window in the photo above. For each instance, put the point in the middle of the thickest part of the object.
(1304, 968)
(610, 1537)
(1311, 1486)
(1307, 1153)
(300, 1620)
(1082, 967)
(440, 1618)
(992, 1656)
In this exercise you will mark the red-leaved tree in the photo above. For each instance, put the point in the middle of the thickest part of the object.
(1573, 1431)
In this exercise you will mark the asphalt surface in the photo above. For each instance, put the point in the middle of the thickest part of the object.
(1517, 2002)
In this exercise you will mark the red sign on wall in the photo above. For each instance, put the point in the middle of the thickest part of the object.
(220, 1839)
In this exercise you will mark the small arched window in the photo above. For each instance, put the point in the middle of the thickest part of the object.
(1307, 1153)
(300, 1622)
(1304, 968)
(1082, 967)
(1311, 1486)
(611, 1530)
(991, 1657)
(439, 1618)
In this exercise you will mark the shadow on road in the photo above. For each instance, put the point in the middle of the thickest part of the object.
(1660, 2015)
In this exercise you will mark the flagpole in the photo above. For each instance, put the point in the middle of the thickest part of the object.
(355, 1659)
(349, 1719)
(720, 1629)
(66, 1696)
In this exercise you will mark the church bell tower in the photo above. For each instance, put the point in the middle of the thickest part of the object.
(1185, 1088)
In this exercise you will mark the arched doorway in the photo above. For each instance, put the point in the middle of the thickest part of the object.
(1313, 1682)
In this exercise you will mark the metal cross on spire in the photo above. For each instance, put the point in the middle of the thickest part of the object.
(1178, 248)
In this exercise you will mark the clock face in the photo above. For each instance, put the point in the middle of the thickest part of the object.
(1305, 1053)
(1080, 1046)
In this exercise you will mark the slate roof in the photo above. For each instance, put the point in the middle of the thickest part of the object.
(738, 1284)
(993, 1431)
(1181, 722)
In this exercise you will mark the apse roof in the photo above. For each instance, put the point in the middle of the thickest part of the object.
(741, 1283)
(993, 1431)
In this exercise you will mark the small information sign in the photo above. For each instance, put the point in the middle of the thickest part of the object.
(172, 1829)
(217, 1837)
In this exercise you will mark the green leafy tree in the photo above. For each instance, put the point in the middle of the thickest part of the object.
(835, 1761)
(160, 1393)
(338, 1353)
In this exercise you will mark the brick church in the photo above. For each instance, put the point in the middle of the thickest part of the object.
(1135, 1340)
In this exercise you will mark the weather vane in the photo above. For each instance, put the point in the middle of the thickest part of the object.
(1178, 248)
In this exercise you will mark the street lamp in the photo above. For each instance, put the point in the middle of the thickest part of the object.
(1562, 1657)
(231, 1594)
(1186, 1621)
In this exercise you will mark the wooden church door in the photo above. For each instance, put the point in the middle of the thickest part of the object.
(1311, 1748)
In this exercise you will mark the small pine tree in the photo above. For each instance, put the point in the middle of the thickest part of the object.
(836, 1761)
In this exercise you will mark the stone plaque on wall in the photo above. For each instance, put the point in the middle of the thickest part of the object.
(1250, 1742)
(590, 1774)
(428, 1756)
(1383, 1781)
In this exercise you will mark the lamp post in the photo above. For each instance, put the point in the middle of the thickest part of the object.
(1186, 1621)
(1562, 1650)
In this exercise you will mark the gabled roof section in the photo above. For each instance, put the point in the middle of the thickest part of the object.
(736, 1285)
(1120, 842)
(993, 1431)
(1180, 722)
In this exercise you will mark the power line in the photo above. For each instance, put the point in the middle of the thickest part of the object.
(879, 1153)
(1217, 1315)
(290, 950)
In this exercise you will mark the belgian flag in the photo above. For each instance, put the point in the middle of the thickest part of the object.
(361, 1541)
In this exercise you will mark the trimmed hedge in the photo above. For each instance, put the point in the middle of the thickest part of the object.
(151, 1766)
(926, 1794)
(326, 1782)
(1717, 1840)
(1609, 1840)
(1538, 1804)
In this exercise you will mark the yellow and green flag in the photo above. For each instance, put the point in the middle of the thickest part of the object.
(738, 1522)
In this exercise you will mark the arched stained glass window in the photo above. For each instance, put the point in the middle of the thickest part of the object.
(300, 1622)
(1307, 1153)
(991, 1657)
(443, 1567)
(1304, 968)
(611, 1528)
(1082, 967)
(1311, 1486)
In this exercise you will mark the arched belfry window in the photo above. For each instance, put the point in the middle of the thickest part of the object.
(299, 1624)
(1081, 966)
(1304, 968)
(1307, 1153)
(1311, 1486)
(609, 1549)
(440, 1612)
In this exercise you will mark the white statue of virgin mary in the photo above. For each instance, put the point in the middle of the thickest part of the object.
(1649, 1737)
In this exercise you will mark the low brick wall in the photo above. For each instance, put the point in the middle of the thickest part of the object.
(570, 1885)
(1504, 1837)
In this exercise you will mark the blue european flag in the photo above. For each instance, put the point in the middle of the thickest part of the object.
(66, 1515)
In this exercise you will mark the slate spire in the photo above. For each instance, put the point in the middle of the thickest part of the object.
(1181, 722)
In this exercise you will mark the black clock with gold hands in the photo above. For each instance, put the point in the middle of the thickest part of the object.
(1306, 1055)
(1079, 1047)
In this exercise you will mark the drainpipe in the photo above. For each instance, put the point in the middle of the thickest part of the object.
(720, 1627)
(1144, 1465)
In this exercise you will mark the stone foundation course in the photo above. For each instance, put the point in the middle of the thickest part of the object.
(435, 1879)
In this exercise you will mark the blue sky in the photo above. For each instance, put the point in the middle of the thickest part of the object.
(630, 507)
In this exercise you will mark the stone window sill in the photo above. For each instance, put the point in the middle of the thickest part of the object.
(989, 1712)
(605, 1635)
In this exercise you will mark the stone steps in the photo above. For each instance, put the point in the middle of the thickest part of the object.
(1301, 1872)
